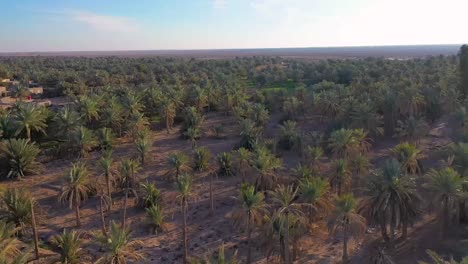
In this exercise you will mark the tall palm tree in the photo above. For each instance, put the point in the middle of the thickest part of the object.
(345, 218)
(67, 122)
(112, 115)
(77, 188)
(285, 198)
(143, 146)
(243, 161)
(249, 212)
(88, 107)
(313, 156)
(132, 102)
(342, 142)
(69, 246)
(105, 163)
(359, 166)
(391, 199)
(265, 163)
(313, 194)
(168, 110)
(179, 163)
(184, 187)
(29, 117)
(446, 186)
(21, 156)
(118, 246)
(84, 141)
(128, 170)
(340, 176)
(409, 157)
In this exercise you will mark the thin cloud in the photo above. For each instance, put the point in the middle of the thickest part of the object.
(219, 4)
(105, 22)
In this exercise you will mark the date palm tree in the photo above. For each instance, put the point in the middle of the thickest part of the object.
(156, 218)
(313, 155)
(289, 136)
(69, 246)
(178, 163)
(391, 199)
(313, 192)
(446, 186)
(21, 156)
(105, 138)
(17, 208)
(128, 181)
(409, 157)
(340, 176)
(412, 129)
(284, 197)
(184, 187)
(342, 142)
(118, 246)
(168, 110)
(28, 118)
(143, 145)
(345, 218)
(265, 163)
(112, 115)
(84, 141)
(67, 121)
(201, 159)
(105, 163)
(243, 161)
(151, 195)
(250, 210)
(225, 166)
(88, 107)
(10, 246)
(77, 188)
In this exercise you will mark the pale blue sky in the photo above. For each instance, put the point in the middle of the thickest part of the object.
(58, 25)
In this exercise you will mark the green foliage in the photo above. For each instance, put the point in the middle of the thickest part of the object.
(152, 195)
(156, 218)
(18, 204)
(20, 155)
(225, 166)
(69, 246)
(289, 136)
(201, 159)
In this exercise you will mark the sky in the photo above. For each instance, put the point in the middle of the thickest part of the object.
(83, 25)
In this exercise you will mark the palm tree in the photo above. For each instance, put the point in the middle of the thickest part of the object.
(118, 246)
(342, 142)
(340, 176)
(184, 186)
(249, 134)
(201, 159)
(143, 146)
(76, 189)
(105, 163)
(112, 115)
(409, 157)
(84, 141)
(365, 116)
(69, 246)
(313, 194)
(21, 156)
(243, 161)
(412, 129)
(249, 212)
(10, 246)
(216, 258)
(179, 163)
(17, 208)
(391, 199)
(313, 156)
(265, 163)
(132, 102)
(292, 107)
(152, 195)
(156, 218)
(67, 122)
(88, 107)
(105, 138)
(345, 218)
(168, 110)
(436, 259)
(289, 135)
(136, 123)
(128, 170)
(193, 134)
(459, 151)
(7, 126)
(446, 185)
(359, 165)
(225, 164)
(285, 198)
(29, 117)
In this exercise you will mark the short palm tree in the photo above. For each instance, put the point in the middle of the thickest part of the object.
(243, 161)
(313, 192)
(289, 136)
(168, 110)
(342, 142)
(17, 207)
(28, 118)
(345, 218)
(9, 244)
(313, 156)
(112, 115)
(156, 218)
(143, 146)
(88, 107)
(184, 187)
(105, 163)
(446, 185)
(67, 122)
(225, 166)
(193, 134)
(265, 163)
(84, 141)
(359, 166)
(118, 246)
(152, 195)
(218, 257)
(69, 246)
(77, 188)
(178, 163)
(412, 129)
(249, 212)
(21, 156)
(105, 138)
(409, 157)
(128, 181)
(201, 159)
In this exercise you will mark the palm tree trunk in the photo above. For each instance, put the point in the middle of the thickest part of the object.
(249, 237)
(103, 220)
(404, 227)
(287, 258)
(28, 132)
(345, 243)
(211, 195)
(124, 217)
(108, 186)
(184, 230)
(34, 229)
(77, 211)
(383, 227)
(392, 224)
(445, 217)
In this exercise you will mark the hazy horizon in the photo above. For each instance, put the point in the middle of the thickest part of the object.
(57, 26)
